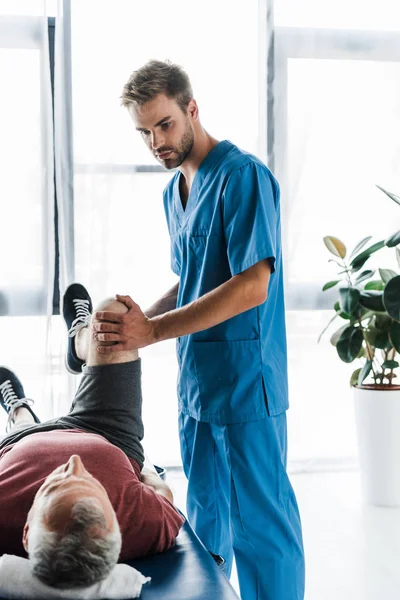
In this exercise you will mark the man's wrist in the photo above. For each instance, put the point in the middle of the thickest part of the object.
(155, 334)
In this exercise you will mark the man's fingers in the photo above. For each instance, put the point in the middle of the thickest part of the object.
(105, 315)
(109, 349)
(127, 300)
(108, 337)
(109, 327)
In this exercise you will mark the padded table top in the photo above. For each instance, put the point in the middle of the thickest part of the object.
(186, 572)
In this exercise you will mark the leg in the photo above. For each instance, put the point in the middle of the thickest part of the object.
(266, 529)
(14, 401)
(22, 418)
(86, 346)
(109, 399)
(208, 488)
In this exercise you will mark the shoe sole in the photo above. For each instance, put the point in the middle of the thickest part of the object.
(68, 368)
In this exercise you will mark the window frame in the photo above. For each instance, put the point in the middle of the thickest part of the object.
(285, 43)
(322, 44)
(23, 32)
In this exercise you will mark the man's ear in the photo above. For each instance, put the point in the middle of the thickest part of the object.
(25, 537)
(193, 109)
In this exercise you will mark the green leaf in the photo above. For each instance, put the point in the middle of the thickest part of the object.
(393, 240)
(377, 284)
(348, 298)
(363, 276)
(360, 245)
(394, 335)
(335, 246)
(378, 338)
(349, 344)
(360, 259)
(354, 377)
(366, 314)
(373, 300)
(330, 284)
(365, 371)
(390, 364)
(398, 256)
(392, 196)
(391, 298)
(387, 274)
(362, 353)
(383, 322)
(335, 337)
(340, 313)
(359, 265)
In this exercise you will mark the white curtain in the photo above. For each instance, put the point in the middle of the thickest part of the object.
(336, 92)
(121, 239)
(27, 201)
(63, 160)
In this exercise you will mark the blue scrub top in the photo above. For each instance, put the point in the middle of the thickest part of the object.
(237, 370)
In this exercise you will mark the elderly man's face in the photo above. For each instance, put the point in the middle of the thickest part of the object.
(61, 489)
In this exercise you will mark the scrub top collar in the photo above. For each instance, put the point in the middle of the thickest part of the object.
(206, 167)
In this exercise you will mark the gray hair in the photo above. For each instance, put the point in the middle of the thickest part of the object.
(78, 557)
(154, 78)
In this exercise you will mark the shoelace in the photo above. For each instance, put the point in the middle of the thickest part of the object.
(11, 401)
(83, 316)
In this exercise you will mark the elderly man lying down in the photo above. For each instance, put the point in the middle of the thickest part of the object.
(72, 487)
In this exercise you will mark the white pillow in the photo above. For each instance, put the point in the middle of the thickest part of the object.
(18, 581)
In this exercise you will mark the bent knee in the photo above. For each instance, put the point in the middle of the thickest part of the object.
(112, 305)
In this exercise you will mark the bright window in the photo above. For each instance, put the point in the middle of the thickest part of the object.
(336, 129)
(121, 237)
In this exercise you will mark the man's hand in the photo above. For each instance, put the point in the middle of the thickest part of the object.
(134, 329)
(151, 479)
(128, 331)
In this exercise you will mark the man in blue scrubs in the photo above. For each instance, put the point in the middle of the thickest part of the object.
(227, 314)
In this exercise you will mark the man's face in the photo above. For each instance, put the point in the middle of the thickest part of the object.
(165, 129)
(61, 489)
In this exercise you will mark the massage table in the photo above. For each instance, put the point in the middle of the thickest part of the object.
(186, 572)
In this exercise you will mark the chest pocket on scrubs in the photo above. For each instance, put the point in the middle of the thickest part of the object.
(197, 249)
(229, 375)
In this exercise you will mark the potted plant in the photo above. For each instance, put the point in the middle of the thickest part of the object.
(368, 305)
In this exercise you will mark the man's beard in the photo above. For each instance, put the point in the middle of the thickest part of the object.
(181, 152)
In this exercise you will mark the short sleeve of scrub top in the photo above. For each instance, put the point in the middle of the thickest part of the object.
(250, 215)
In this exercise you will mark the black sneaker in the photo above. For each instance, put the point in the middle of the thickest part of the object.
(77, 311)
(12, 396)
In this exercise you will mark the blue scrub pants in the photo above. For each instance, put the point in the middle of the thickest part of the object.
(241, 502)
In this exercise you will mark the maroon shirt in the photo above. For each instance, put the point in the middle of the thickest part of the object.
(149, 522)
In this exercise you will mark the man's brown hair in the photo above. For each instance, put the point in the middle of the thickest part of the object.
(154, 78)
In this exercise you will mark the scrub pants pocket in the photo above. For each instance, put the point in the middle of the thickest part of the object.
(230, 383)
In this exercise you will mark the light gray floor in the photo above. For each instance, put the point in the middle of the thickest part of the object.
(352, 551)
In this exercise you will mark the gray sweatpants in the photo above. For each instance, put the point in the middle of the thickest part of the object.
(108, 402)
